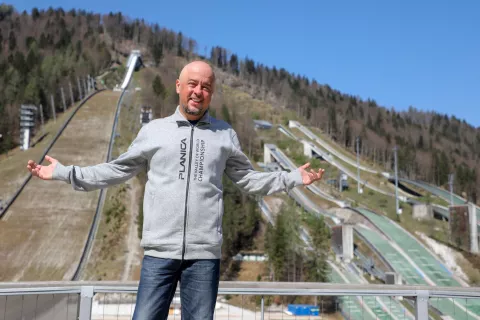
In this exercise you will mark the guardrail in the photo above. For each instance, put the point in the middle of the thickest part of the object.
(86, 292)
(330, 149)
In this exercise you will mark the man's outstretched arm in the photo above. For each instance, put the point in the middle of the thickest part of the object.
(241, 172)
(98, 176)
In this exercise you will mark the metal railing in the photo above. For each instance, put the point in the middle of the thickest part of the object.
(80, 306)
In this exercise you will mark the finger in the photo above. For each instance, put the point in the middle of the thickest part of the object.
(49, 159)
(305, 166)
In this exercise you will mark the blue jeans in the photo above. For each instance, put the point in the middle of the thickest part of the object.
(158, 281)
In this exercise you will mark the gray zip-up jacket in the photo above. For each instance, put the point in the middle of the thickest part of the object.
(183, 201)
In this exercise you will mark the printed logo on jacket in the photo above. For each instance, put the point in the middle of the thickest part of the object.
(199, 160)
(183, 156)
(200, 147)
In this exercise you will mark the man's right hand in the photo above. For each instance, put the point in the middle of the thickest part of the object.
(43, 172)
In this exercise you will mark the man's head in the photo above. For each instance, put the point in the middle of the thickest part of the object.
(195, 87)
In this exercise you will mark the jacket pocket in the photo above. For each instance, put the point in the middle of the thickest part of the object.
(163, 222)
(204, 219)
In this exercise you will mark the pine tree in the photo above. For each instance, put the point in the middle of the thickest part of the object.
(332, 120)
(157, 53)
(379, 120)
(226, 114)
(12, 41)
(420, 143)
(32, 92)
(35, 14)
(282, 241)
(180, 45)
(158, 87)
(234, 64)
(316, 264)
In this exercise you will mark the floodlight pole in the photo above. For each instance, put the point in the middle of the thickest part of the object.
(41, 118)
(396, 183)
(358, 165)
(72, 101)
(450, 182)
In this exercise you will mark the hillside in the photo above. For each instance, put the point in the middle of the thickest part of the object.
(44, 48)
(299, 246)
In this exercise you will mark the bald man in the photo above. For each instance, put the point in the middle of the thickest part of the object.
(185, 156)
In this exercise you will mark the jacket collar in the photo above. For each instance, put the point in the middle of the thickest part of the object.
(180, 118)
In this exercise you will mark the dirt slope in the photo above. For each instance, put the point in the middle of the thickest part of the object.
(44, 231)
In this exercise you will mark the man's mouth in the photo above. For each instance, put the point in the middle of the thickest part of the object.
(196, 101)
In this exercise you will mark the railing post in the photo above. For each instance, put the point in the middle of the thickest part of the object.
(263, 309)
(421, 305)
(86, 298)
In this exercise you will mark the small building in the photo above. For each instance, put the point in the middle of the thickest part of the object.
(262, 124)
(255, 256)
(145, 115)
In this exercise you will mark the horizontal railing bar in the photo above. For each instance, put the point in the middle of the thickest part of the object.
(284, 292)
(27, 291)
(249, 288)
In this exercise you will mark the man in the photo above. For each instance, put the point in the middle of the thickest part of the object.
(185, 156)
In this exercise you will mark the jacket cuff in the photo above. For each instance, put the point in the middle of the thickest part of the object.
(61, 173)
(294, 178)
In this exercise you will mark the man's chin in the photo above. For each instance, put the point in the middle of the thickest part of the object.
(193, 110)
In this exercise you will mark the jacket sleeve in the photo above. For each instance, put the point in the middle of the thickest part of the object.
(240, 170)
(104, 175)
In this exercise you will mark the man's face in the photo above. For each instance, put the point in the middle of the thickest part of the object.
(195, 89)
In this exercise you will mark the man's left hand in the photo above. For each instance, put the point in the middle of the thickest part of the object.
(311, 176)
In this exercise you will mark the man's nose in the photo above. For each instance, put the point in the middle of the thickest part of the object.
(198, 90)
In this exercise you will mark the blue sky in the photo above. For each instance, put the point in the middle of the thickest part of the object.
(420, 53)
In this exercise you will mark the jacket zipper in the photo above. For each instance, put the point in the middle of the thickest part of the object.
(186, 195)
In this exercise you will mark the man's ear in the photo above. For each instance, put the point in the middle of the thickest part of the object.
(177, 86)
